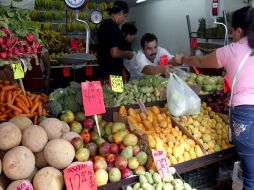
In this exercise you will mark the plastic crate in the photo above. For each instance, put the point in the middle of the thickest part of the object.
(202, 177)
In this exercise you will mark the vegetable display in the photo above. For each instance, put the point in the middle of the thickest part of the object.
(147, 90)
(13, 102)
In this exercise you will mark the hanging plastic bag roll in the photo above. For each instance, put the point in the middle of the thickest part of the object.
(182, 100)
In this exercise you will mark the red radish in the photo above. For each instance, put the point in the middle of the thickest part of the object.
(21, 49)
(24, 42)
(16, 51)
(28, 49)
(8, 42)
(14, 39)
(88, 123)
(9, 55)
(6, 31)
(3, 46)
(37, 46)
(3, 55)
(1, 41)
(30, 37)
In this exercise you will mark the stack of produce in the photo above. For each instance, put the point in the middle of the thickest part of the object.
(69, 98)
(152, 180)
(208, 128)
(162, 135)
(147, 90)
(13, 103)
(18, 36)
(209, 84)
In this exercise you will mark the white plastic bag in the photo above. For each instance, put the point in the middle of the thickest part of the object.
(181, 99)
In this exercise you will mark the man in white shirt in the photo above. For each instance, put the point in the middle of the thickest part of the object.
(152, 59)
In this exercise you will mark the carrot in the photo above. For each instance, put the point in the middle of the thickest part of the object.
(40, 109)
(15, 94)
(6, 82)
(27, 115)
(30, 101)
(9, 87)
(35, 106)
(19, 100)
(24, 99)
(33, 96)
(24, 108)
(35, 119)
(44, 112)
(37, 99)
(2, 96)
(14, 108)
(2, 108)
(1, 85)
(28, 93)
(9, 96)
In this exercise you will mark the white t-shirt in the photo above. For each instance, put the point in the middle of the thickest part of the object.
(142, 61)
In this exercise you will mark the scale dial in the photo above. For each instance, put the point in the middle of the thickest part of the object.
(75, 4)
(96, 17)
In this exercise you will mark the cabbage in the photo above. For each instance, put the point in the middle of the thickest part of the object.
(200, 79)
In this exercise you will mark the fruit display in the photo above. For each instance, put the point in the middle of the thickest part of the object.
(162, 135)
(14, 103)
(53, 41)
(152, 180)
(69, 98)
(209, 84)
(208, 128)
(18, 36)
(147, 90)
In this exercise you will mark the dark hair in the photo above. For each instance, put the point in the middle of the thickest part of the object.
(128, 28)
(244, 19)
(119, 6)
(148, 37)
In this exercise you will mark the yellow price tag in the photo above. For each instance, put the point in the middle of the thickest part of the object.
(18, 71)
(116, 83)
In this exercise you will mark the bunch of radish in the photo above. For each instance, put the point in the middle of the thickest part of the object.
(12, 47)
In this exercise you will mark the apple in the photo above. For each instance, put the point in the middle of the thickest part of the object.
(136, 150)
(121, 162)
(110, 158)
(100, 164)
(126, 172)
(114, 149)
(110, 166)
(140, 170)
(104, 148)
(121, 147)
(76, 127)
(77, 143)
(82, 154)
(114, 175)
(95, 158)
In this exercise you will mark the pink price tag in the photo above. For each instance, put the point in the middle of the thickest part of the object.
(92, 98)
(80, 177)
(25, 185)
(194, 43)
(160, 161)
(164, 60)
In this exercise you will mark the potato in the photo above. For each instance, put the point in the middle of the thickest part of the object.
(70, 135)
(54, 128)
(40, 160)
(10, 135)
(18, 163)
(21, 121)
(48, 178)
(14, 184)
(59, 153)
(34, 137)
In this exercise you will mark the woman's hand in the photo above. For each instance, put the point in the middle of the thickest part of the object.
(176, 60)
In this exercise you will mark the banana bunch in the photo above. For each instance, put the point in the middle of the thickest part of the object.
(92, 26)
(59, 5)
(105, 15)
(38, 4)
(34, 14)
(47, 4)
(81, 27)
(53, 41)
(110, 5)
(59, 27)
(48, 15)
(103, 6)
(58, 15)
(70, 15)
(82, 15)
(47, 26)
(92, 5)
(69, 27)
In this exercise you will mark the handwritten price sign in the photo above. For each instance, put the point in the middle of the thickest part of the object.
(163, 60)
(161, 163)
(116, 83)
(18, 71)
(25, 185)
(80, 177)
(92, 98)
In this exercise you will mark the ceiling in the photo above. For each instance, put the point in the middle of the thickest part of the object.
(131, 3)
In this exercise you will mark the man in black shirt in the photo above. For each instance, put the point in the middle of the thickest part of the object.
(110, 40)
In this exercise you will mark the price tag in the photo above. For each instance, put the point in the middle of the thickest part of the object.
(164, 60)
(160, 161)
(194, 43)
(66, 72)
(89, 71)
(25, 185)
(92, 98)
(18, 71)
(227, 87)
(116, 83)
(80, 177)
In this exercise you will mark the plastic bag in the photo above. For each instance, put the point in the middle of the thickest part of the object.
(181, 73)
(181, 99)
